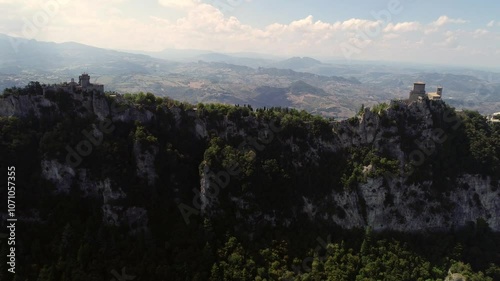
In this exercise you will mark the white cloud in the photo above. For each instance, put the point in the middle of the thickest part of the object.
(160, 20)
(493, 23)
(390, 36)
(448, 40)
(180, 4)
(308, 25)
(203, 26)
(443, 20)
(480, 32)
(357, 24)
(402, 27)
(302, 24)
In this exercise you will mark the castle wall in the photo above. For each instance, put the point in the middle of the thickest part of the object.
(83, 85)
(419, 88)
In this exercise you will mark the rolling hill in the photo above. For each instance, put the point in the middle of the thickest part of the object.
(336, 89)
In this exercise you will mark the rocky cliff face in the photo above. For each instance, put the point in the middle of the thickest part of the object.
(396, 200)
(390, 201)
(82, 104)
(412, 209)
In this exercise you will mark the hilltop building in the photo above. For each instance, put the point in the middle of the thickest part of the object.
(419, 93)
(83, 85)
(495, 117)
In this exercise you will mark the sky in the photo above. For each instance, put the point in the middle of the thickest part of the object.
(450, 32)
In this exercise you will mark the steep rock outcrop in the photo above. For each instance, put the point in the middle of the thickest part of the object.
(393, 202)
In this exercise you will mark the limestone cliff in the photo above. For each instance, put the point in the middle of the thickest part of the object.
(403, 199)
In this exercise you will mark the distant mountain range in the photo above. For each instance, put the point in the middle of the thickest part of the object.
(71, 58)
(334, 89)
(297, 63)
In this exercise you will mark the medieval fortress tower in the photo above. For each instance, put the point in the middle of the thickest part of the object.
(83, 85)
(418, 93)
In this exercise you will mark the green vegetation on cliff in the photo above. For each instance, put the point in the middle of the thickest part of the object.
(275, 157)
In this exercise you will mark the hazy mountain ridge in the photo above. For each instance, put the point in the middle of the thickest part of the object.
(46, 57)
(234, 78)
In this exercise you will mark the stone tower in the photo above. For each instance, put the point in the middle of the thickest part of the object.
(84, 80)
(418, 91)
(439, 91)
